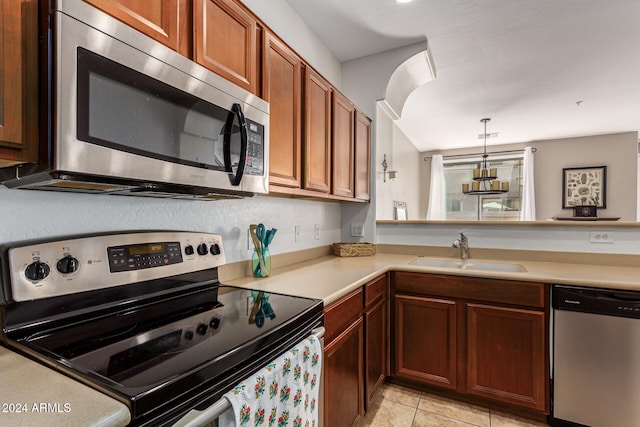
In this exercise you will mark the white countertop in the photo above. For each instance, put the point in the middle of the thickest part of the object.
(331, 277)
(34, 395)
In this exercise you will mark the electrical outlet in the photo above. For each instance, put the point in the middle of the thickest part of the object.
(296, 233)
(600, 237)
(357, 229)
(316, 231)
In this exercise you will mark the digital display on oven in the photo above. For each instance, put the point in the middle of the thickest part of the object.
(143, 255)
(148, 249)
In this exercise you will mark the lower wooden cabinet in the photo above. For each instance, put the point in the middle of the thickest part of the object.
(425, 349)
(375, 326)
(343, 381)
(506, 355)
(344, 361)
(355, 352)
(478, 337)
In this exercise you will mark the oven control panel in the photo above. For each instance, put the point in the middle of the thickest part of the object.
(145, 255)
(58, 267)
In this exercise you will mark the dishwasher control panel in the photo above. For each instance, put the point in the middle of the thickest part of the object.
(610, 302)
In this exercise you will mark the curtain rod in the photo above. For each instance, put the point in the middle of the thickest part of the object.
(454, 156)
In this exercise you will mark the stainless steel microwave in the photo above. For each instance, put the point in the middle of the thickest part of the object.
(129, 116)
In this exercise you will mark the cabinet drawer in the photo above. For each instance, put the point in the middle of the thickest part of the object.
(375, 290)
(530, 294)
(342, 313)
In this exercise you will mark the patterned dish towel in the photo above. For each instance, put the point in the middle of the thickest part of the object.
(284, 393)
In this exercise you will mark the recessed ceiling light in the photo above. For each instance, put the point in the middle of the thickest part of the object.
(404, 1)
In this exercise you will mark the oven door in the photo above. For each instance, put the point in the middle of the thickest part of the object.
(209, 416)
(130, 108)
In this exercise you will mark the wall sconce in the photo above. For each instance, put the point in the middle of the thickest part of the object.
(392, 174)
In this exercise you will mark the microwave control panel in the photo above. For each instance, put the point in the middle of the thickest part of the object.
(255, 149)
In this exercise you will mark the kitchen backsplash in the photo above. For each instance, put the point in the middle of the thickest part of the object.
(29, 214)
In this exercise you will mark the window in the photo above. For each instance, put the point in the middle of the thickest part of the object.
(498, 207)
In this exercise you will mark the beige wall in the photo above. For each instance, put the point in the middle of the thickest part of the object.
(616, 151)
(402, 156)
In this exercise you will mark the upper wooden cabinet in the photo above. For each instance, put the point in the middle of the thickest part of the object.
(343, 148)
(282, 88)
(225, 41)
(18, 81)
(363, 157)
(158, 19)
(317, 144)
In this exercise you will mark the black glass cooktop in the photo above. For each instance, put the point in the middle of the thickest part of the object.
(154, 352)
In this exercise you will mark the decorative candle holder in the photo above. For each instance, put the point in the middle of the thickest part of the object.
(495, 185)
(475, 186)
(465, 188)
(476, 173)
(505, 186)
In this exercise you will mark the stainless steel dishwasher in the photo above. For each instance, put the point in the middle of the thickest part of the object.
(596, 366)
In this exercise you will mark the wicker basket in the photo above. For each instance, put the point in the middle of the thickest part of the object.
(354, 249)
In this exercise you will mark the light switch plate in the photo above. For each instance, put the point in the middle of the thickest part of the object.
(357, 229)
(296, 233)
(316, 231)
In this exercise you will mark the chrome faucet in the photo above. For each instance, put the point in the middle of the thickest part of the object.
(463, 244)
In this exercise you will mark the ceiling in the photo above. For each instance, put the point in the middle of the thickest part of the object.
(540, 69)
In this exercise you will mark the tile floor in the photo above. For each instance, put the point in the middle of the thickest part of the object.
(397, 406)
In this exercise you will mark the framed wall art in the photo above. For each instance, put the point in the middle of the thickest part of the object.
(585, 186)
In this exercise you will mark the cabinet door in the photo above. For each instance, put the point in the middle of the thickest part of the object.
(425, 340)
(343, 146)
(506, 355)
(317, 144)
(282, 89)
(18, 81)
(363, 157)
(375, 348)
(225, 41)
(157, 19)
(343, 378)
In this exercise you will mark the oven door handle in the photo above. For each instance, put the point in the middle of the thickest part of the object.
(214, 411)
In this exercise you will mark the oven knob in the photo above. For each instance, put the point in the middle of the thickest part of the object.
(188, 250)
(188, 335)
(202, 249)
(215, 249)
(215, 322)
(202, 329)
(67, 265)
(37, 270)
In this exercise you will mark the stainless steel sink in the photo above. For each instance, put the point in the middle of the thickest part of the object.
(469, 265)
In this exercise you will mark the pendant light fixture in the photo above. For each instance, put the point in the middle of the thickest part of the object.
(485, 179)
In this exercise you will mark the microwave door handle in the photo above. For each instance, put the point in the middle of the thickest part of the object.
(236, 111)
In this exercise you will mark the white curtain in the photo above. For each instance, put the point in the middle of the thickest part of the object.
(528, 210)
(638, 191)
(436, 210)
